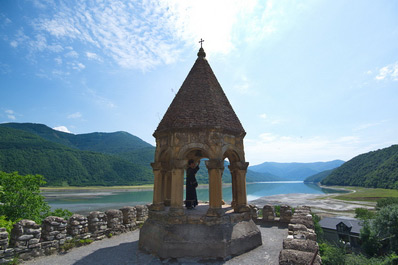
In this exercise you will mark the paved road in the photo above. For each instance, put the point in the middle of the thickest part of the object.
(123, 249)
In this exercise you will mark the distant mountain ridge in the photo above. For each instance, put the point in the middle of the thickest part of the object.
(86, 159)
(61, 165)
(376, 169)
(111, 143)
(295, 171)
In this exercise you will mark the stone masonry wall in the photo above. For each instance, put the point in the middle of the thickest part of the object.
(28, 239)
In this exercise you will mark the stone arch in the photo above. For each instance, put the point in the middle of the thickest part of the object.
(238, 169)
(186, 151)
(233, 153)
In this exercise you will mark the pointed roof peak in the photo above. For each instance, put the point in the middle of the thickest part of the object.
(200, 103)
(201, 53)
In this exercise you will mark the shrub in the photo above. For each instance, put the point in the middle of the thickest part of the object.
(63, 213)
(385, 202)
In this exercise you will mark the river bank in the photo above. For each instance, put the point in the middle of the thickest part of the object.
(321, 204)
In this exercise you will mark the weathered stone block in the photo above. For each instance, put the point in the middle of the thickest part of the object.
(295, 257)
(300, 244)
(285, 213)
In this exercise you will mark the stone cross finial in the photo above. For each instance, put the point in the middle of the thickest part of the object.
(201, 41)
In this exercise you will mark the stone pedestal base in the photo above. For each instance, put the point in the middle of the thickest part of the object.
(199, 236)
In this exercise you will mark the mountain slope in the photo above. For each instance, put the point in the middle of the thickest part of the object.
(318, 177)
(295, 171)
(376, 169)
(28, 153)
(109, 143)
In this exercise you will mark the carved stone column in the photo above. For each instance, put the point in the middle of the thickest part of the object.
(157, 204)
(240, 169)
(215, 168)
(234, 189)
(177, 187)
(167, 188)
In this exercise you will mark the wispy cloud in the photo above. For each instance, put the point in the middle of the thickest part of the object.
(93, 56)
(269, 120)
(243, 85)
(144, 34)
(100, 100)
(10, 114)
(388, 72)
(75, 115)
(368, 125)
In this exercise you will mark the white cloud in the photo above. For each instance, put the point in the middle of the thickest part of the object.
(77, 66)
(368, 125)
(388, 72)
(269, 120)
(75, 115)
(10, 114)
(58, 60)
(276, 148)
(72, 54)
(143, 34)
(243, 85)
(62, 129)
(93, 56)
(14, 43)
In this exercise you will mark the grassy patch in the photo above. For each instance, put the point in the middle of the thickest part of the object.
(59, 188)
(366, 194)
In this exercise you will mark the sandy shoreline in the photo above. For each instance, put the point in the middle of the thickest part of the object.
(321, 204)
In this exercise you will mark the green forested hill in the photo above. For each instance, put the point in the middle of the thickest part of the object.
(377, 169)
(28, 153)
(318, 177)
(109, 143)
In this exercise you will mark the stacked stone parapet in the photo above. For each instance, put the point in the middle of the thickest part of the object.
(78, 227)
(115, 221)
(25, 239)
(285, 214)
(29, 239)
(142, 213)
(129, 217)
(300, 247)
(268, 213)
(97, 225)
(53, 234)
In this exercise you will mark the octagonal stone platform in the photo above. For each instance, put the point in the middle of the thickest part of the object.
(194, 234)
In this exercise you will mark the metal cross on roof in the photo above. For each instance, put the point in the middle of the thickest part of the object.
(201, 41)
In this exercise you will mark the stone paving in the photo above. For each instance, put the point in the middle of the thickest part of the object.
(123, 249)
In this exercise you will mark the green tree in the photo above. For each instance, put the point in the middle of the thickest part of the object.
(371, 244)
(364, 214)
(386, 225)
(20, 197)
(331, 255)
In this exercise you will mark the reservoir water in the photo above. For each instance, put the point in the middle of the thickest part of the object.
(85, 201)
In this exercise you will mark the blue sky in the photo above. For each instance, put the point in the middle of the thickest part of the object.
(309, 80)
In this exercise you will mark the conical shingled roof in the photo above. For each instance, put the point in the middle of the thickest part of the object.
(200, 103)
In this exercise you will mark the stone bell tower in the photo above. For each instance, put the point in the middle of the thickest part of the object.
(199, 123)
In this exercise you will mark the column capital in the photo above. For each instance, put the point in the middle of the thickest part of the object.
(238, 165)
(156, 165)
(179, 163)
(215, 164)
